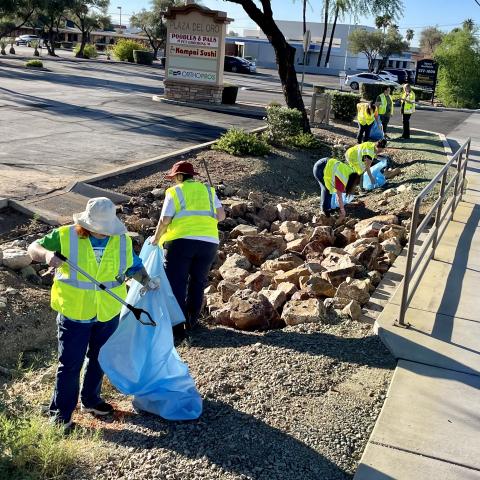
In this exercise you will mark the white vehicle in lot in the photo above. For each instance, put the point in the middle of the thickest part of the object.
(354, 81)
(388, 76)
(26, 40)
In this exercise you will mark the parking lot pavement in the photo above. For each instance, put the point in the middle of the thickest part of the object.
(88, 117)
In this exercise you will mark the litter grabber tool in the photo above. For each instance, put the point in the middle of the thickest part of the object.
(137, 312)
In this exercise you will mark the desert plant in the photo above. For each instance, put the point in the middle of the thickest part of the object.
(11, 42)
(34, 64)
(282, 124)
(304, 140)
(344, 105)
(123, 50)
(89, 51)
(35, 44)
(143, 57)
(239, 142)
(3, 44)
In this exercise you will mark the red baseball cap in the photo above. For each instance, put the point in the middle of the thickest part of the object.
(181, 167)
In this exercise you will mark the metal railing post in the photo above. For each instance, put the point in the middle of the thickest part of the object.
(408, 267)
(457, 181)
(464, 176)
(438, 216)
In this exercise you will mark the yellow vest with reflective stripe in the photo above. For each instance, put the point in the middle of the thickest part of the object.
(354, 156)
(408, 105)
(382, 109)
(364, 118)
(76, 297)
(337, 169)
(195, 213)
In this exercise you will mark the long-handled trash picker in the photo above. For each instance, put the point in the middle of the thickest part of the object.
(137, 312)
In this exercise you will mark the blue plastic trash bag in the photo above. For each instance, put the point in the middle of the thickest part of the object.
(377, 174)
(346, 199)
(142, 361)
(376, 132)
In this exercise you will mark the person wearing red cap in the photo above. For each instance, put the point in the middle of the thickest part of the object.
(188, 230)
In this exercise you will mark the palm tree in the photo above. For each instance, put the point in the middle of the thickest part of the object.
(326, 11)
(468, 25)
(304, 14)
(409, 34)
(383, 21)
(340, 7)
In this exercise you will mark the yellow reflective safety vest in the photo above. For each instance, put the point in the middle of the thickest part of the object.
(408, 102)
(76, 297)
(195, 212)
(354, 156)
(364, 118)
(382, 109)
(338, 169)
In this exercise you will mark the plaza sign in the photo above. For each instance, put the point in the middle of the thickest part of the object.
(193, 40)
(182, 74)
(193, 52)
(426, 75)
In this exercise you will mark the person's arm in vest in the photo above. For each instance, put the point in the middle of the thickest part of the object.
(43, 250)
(220, 214)
(162, 226)
(368, 163)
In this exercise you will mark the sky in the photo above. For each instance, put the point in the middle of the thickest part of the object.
(418, 13)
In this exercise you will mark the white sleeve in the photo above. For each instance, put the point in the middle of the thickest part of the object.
(168, 209)
(217, 202)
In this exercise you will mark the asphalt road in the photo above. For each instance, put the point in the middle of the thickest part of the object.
(81, 118)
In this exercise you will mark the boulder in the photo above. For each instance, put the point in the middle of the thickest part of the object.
(258, 221)
(256, 198)
(275, 226)
(259, 280)
(252, 311)
(277, 298)
(345, 236)
(241, 230)
(290, 227)
(392, 246)
(30, 274)
(353, 310)
(268, 213)
(358, 290)
(365, 250)
(287, 212)
(291, 276)
(301, 295)
(323, 235)
(226, 289)
(314, 266)
(380, 219)
(398, 232)
(213, 302)
(404, 188)
(237, 260)
(322, 219)
(316, 286)
(389, 192)
(285, 262)
(298, 245)
(371, 230)
(221, 316)
(389, 174)
(238, 209)
(158, 192)
(375, 278)
(337, 303)
(313, 249)
(296, 312)
(338, 268)
(257, 248)
(288, 288)
(16, 258)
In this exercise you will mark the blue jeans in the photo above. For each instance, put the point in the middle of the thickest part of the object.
(325, 195)
(187, 264)
(77, 340)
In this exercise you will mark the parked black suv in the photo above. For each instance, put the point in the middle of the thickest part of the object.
(238, 64)
(401, 73)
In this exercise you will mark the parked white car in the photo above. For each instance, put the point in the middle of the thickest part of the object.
(26, 40)
(354, 81)
(388, 76)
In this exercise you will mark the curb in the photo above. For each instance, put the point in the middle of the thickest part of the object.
(258, 112)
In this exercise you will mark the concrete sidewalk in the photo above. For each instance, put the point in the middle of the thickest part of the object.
(429, 427)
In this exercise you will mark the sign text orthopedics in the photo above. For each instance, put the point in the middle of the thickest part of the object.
(193, 52)
(192, 75)
(193, 40)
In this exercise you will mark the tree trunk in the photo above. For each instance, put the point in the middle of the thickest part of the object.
(155, 52)
(51, 42)
(325, 26)
(304, 12)
(327, 59)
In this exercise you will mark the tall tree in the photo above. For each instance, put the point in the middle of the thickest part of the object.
(14, 14)
(409, 34)
(87, 15)
(393, 42)
(340, 7)
(326, 11)
(285, 54)
(152, 23)
(383, 21)
(468, 25)
(430, 39)
(368, 43)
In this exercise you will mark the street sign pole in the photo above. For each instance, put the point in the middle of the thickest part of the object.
(306, 45)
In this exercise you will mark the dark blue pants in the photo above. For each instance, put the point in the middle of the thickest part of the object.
(326, 196)
(187, 264)
(363, 133)
(77, 340)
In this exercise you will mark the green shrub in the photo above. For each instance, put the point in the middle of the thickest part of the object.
(239, 142)
(304, 140)
(34, 64)
(344, 105)
(90, 51)
(143, 57)
(123, 50)
(282, 124)
(421, 93)
(370, 91)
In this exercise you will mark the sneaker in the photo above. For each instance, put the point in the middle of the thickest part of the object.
(101, 409)
(67, 427)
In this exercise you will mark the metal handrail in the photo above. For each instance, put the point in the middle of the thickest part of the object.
(443, 212)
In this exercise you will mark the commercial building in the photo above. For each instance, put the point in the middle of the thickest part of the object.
(254, 44)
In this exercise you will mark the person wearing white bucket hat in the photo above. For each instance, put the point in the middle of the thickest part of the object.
(87, 316)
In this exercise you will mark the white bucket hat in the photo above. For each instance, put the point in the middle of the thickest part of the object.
(100, 217)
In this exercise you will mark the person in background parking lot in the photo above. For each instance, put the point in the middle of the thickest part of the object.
(384, 104)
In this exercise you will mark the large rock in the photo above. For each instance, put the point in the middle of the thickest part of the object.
(235, 269)
(296, 312)
(16, 258)
(259, 280)
(358, 290)
(258, 221)
(392, 246)
(238, 209)
(227, 289)
(365, 250)
(398, 232)
(323, 235)
(353, 310)
(257, 248)
(292, 276)
(221, 316)
(337, 303)
(345, 236)
(241, 230)
(287, 212)
(371, 226)
(338, 268)
(268, 213)
(298, 245)
(236, 260)
(287, 287)
(290, 227)
(252, 311)
(277, 298)
(317, 286)
(313, 249)
(285, 262)
(256, 198)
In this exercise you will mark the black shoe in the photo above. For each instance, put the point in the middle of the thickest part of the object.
(179, 333)
(66, 426)
(101, 409)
